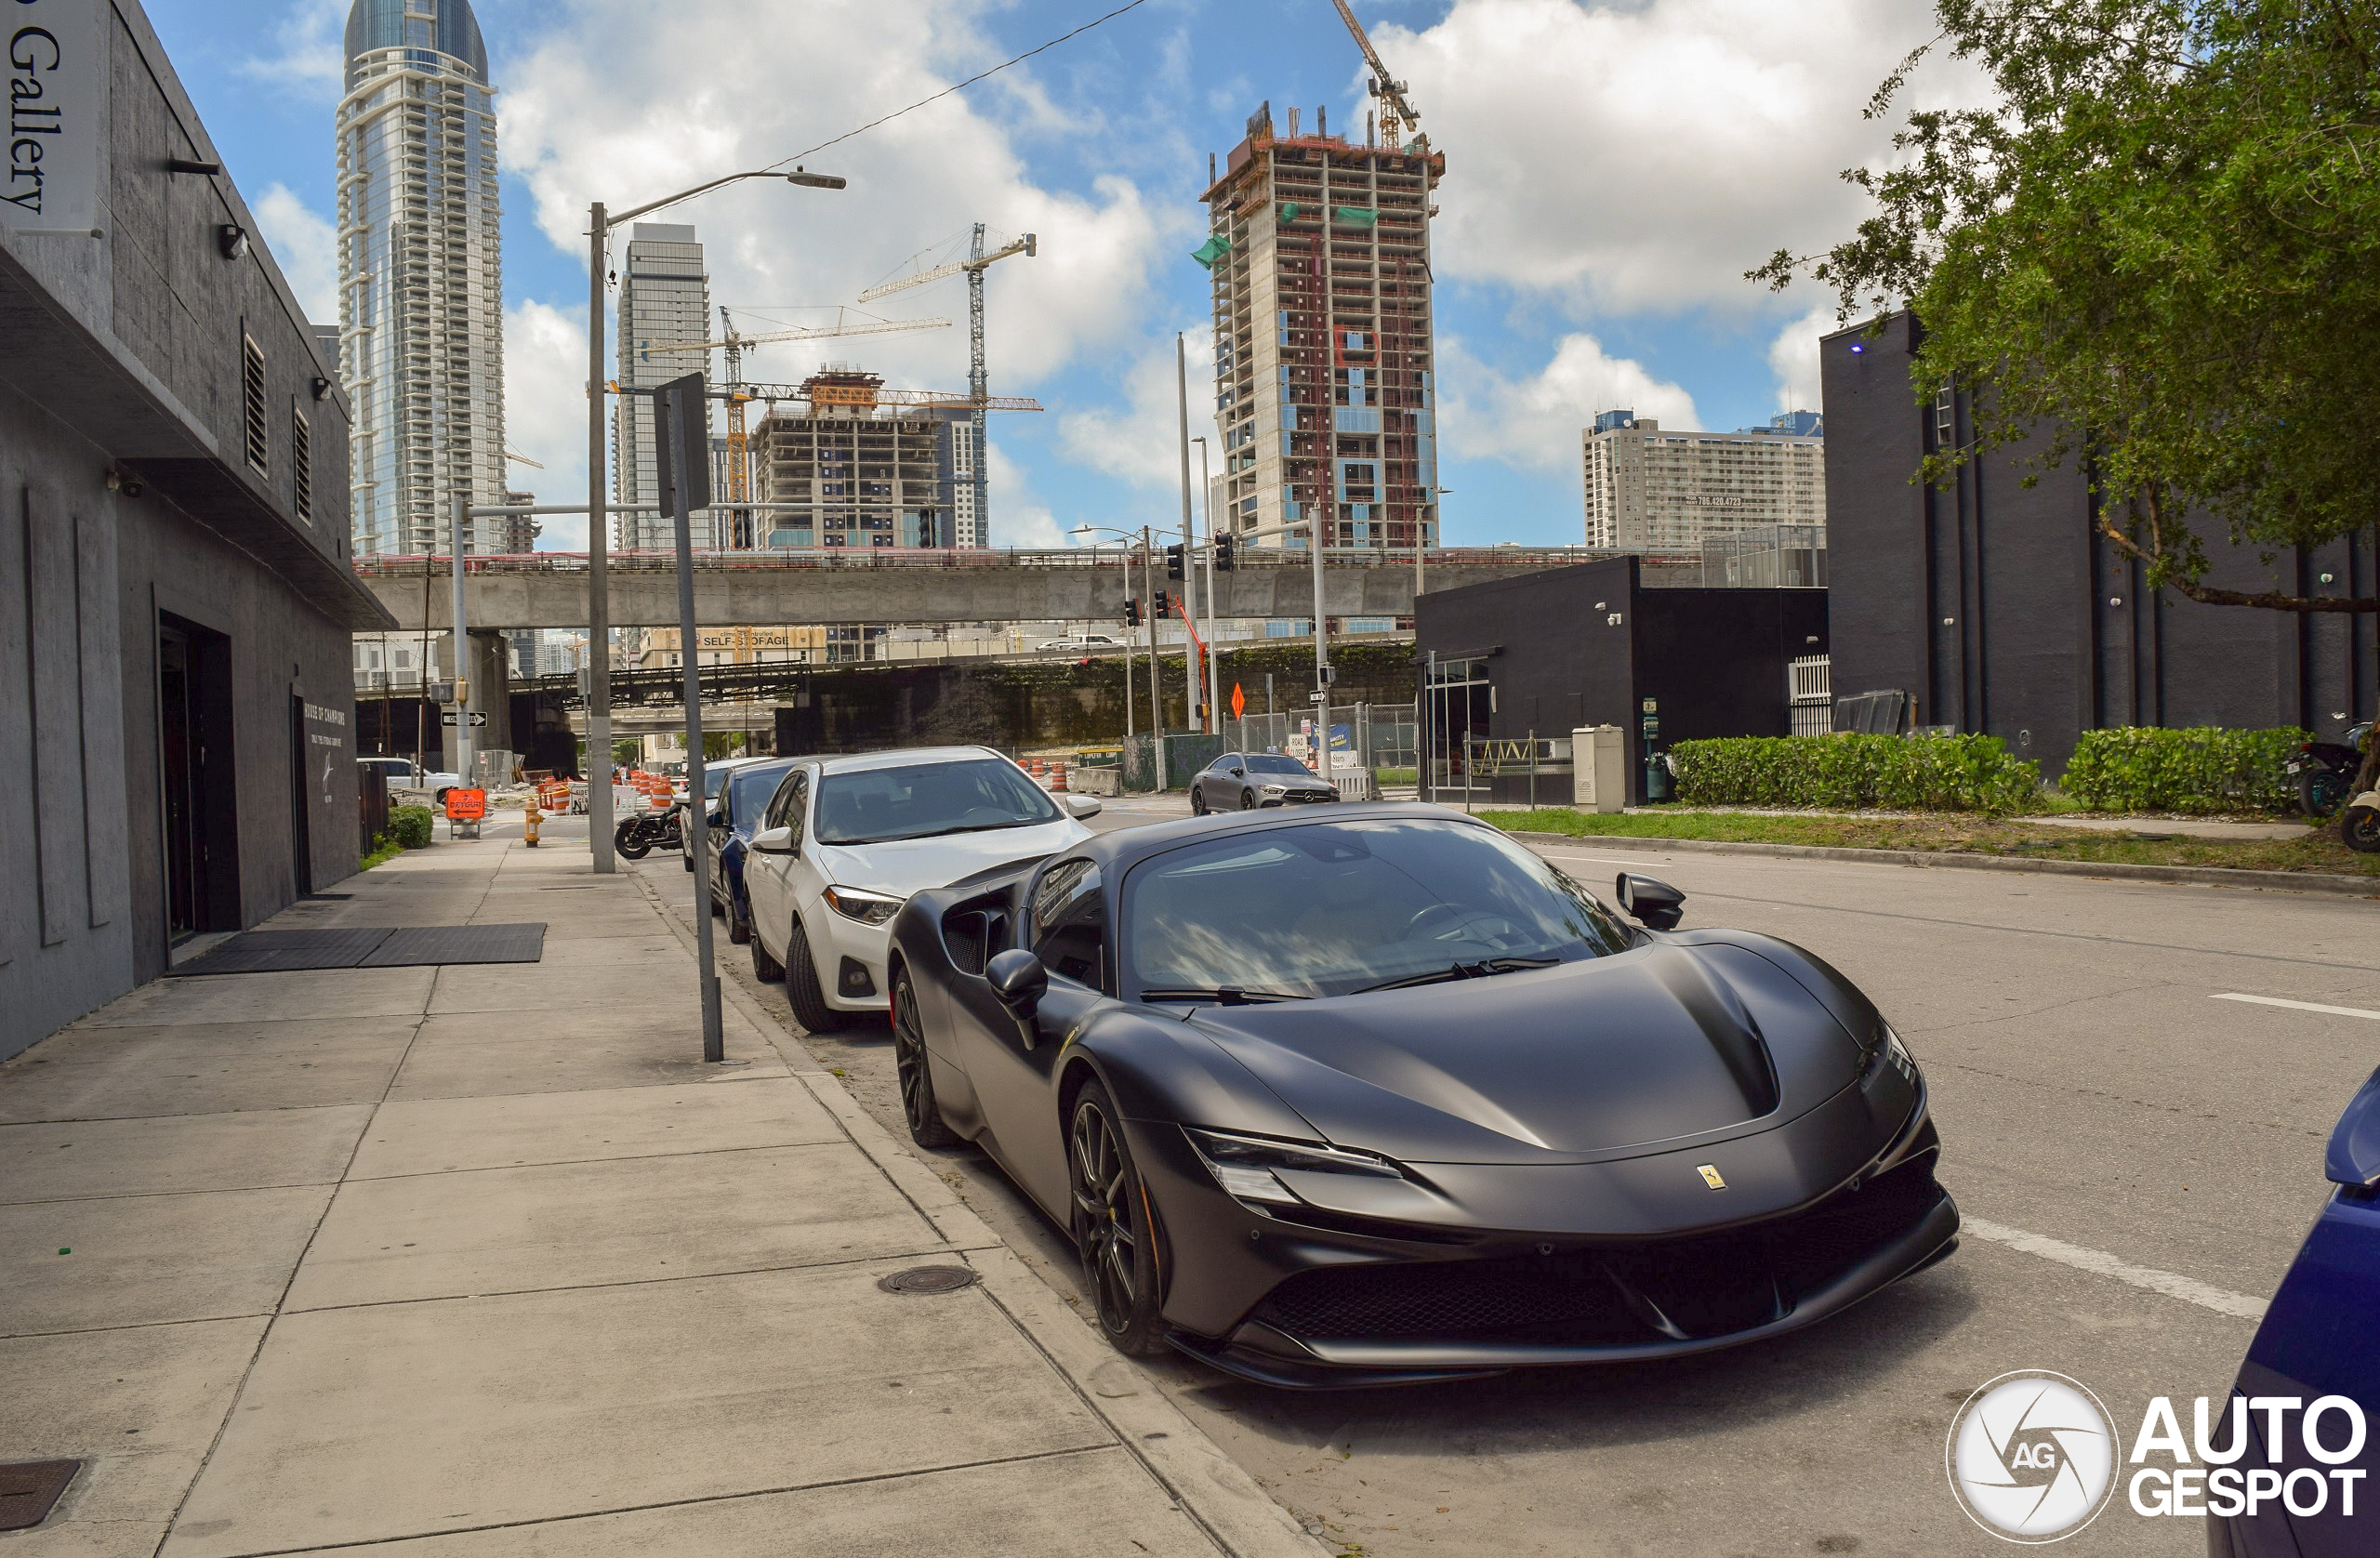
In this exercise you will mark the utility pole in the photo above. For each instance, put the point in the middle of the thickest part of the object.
(1214, 670)
(463, 679)
(1189, 542)
(599, 596)
(1156, 688)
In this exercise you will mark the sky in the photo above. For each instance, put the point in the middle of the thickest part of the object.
(1612, 170)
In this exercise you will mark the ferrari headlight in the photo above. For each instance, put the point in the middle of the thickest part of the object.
(1893, 1053)
(1243, 1165)
(868, 909)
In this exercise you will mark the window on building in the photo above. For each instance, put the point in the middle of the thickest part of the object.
(252, 403)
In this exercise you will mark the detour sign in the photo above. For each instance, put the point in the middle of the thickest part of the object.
(465, 806)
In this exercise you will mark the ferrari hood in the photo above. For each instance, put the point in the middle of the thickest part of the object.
(1638, 1051)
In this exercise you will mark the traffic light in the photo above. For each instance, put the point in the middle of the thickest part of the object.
(1173, 562)
(1225, 562)
(1132, 612)
(1160, 605)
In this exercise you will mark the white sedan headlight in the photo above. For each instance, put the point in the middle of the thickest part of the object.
(1276, 789)
(868, 909)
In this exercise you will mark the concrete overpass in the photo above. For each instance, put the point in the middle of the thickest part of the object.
(548, 589)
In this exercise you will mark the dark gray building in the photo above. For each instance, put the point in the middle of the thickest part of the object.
(1998, 608)
(1543, 653)
(175, 595)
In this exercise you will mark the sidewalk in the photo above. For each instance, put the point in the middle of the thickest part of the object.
(483, 1260)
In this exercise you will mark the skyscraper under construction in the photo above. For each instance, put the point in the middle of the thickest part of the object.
(1319, 249)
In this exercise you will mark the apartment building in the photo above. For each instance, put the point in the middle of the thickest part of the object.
(1650, 489)
(664, 308)
(1320, 251)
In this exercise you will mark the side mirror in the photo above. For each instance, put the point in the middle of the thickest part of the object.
(2354, 1155)
(1657, 904)
(774, 840)
(1240, 774)
(717, 819)
(1082, 806)
(1018, 979)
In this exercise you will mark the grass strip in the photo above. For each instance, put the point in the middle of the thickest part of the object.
(2320, 852)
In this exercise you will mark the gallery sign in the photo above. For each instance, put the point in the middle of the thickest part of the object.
(51, 182)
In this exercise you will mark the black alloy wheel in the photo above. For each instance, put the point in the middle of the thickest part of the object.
(2321, 791)
(803, 991)
(1247, 800)
(918, 1106)
(765, 969)
(1110, 1227)
(1197, 801)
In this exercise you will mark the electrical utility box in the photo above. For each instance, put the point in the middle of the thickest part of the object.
(1599, 764)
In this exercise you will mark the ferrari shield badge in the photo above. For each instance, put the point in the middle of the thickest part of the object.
(1710, 1176)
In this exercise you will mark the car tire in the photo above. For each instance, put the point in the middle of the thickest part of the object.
(1110, 1223)
(739, 924)
(803, 991)
(1197, 802)
(765, 969)
(918, 1106)
(1247, 800)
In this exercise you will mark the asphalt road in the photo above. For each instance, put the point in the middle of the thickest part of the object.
(2091, 1090)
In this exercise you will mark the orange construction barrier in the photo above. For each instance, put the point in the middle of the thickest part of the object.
(1037, 768)
(1058, 778)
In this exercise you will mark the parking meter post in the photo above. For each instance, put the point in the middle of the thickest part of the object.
(685, 446)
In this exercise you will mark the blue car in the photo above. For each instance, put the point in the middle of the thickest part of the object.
(2317, 1341)
(733, 817)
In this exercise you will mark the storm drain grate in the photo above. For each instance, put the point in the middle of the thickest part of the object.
(29, 1489)
(929, 1279)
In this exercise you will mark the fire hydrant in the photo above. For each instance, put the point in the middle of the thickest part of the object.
(529, 815)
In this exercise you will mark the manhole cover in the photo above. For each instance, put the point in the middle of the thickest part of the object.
(929, 1279)
(29, 1489)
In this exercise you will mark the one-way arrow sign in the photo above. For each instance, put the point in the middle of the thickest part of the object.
(478, 719)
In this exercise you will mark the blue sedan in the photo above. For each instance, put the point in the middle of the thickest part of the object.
(2316, 1341)
(734, 816)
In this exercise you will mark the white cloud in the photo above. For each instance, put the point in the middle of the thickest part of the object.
(545, 413)
(1535, 422)
(1641, 156)
(1793, 357)
(1139, 441)
(311, 59)
(306, 245)
(610, 106)
(1019, 518)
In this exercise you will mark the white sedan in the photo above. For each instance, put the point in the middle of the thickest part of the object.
(846, 840)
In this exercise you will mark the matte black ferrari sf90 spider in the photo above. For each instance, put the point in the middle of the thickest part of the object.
(1372, 1093)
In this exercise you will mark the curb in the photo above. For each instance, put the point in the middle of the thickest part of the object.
(1228, 1505)
(2204, 876)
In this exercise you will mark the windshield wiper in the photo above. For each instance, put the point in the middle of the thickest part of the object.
(1228, 994)
(1480, 969)
(944, 832)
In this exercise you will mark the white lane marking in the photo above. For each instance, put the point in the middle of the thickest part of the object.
(2172, 1284)
(2301, 1005)
(1600, 860)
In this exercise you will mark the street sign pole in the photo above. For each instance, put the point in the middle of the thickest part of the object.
(461, 670)
(684, 451)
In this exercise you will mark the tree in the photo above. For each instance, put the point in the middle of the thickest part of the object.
(2159, 242)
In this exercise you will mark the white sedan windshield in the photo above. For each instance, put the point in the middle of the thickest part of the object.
(920, 800)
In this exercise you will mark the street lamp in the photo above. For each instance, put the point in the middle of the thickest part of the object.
(1207, 506)
(1148, 623)
(600, 224)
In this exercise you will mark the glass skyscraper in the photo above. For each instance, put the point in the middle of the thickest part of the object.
(665, 308)
(421, 280)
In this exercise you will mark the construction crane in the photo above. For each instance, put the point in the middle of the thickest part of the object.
(732, 342)
(1396, 114)
(978, 383)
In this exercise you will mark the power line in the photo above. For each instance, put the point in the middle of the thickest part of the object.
(959, 87)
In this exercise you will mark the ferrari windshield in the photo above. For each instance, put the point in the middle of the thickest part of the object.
(921, 800)
(1263, 762)
(1331, 908)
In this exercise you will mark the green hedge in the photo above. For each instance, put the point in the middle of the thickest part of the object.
(411, 826)
(2144, 767)
(1850, 772)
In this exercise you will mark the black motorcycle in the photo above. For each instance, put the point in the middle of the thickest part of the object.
(639, 836)
(2325, 771)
